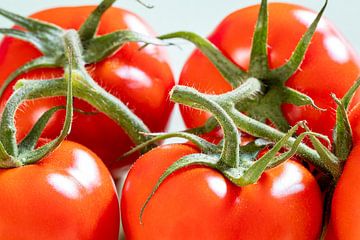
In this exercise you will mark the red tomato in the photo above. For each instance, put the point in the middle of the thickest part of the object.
(345, 212)
(354, 119)
(330, 64)
(68, 195)
(141, 79)
(330, 234)
(199, 203)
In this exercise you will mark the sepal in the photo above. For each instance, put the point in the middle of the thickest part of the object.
(342, 132)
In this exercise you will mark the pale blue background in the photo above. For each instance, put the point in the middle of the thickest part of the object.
(200, 16)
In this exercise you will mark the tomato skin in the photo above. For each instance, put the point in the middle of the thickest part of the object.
(345, 213)
(141, 79)
(354, 119)
(330, 64)
(67, 195)
(330, 232)
(199, 203)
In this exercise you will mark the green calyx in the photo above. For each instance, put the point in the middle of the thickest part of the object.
(342, 133)
(53, 42)
(76, 82)
(48, 39)
(239, 164)
(268, 104)
(16, 155)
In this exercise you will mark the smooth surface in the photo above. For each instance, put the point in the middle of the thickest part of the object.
(329, 66)
(201, 16)
(284, 204)
(68, 195)
(345, 210)
(141, 79)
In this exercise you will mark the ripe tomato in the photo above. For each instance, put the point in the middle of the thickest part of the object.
(68, 195)
(141, 79)
(330, 64)
(199, 203)
(345, 213)
(354, 119)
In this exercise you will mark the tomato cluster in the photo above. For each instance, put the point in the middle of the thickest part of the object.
(142, 79)
(243, 182)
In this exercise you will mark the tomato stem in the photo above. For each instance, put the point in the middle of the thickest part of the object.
(214, 104)
(231, 72)
(90, 26)
(88, 48)
(85, 88)
(259, 129)
(250, 89)
(206, 147)
(266, 106)
(88, 90)
(192, 98)
(259, 66)
(227, 102)
(7, 125)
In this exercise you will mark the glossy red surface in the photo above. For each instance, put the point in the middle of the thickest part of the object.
(199, 203)
(345, 212)
(330, 64)
(68, 195)
(141, 79)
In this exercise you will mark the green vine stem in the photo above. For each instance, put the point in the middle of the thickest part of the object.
(265, 106)
(206, 147)
(259, 129)
(85, 88)
(7, 126)
(189, 97)
(90, 26)
(232, 163)
(262, 130)
(251, 88)
(88, 48)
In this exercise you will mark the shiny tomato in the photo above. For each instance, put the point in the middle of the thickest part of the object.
(345, 212)
(67, 195)
(141, 79)
(330, 64)
(200, 203)
(354, 119)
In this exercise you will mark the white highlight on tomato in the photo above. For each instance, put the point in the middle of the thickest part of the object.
(218, 186)
(306, 17)
(289, 182)
(64, 185)
(335, 46)
(336, 49)
(85, 170)
(135, 77)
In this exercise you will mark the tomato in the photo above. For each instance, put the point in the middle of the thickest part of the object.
(330, 64)
(354, 119)
(67, 195)
(344, 222)
(141, 79)
(345, 213)
(330, 234)
(200, 203)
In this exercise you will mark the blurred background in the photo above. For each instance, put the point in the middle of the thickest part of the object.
(200, 16)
